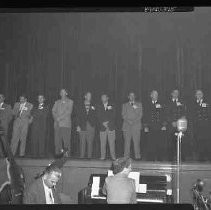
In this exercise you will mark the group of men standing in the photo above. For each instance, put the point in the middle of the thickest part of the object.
(157, 120)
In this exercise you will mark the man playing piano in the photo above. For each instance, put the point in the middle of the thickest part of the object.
(119, 188)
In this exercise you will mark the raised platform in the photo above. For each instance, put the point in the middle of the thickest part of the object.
(76, 174)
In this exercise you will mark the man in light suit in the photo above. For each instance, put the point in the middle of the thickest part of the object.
(62, 111)
(5, 116)
(120, 189)
(106, 118)
(22, 113)
(132, 112)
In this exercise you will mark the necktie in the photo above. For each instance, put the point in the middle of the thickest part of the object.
(132, 103)
(50, 196)
(87, 108)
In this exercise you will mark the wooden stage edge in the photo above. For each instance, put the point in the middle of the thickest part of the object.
(95, 163)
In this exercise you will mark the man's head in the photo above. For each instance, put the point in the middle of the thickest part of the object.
(104, 98)
(52, 176)
(175, 94)
(122, 165)
(41, 99)
(131, 96)
(2, 98)
(199, 94)
(154, 95)
(23, 99)
(88, 96)
(63, 93)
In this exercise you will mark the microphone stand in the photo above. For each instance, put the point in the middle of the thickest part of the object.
(179, 140)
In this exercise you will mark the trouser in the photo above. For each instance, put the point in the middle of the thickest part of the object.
(134, 134)
(5, 128)
(156, 145)
(87, 136)
(111, 141)
(20, 130)
(62, 134)
(203, 142)
(38, 141)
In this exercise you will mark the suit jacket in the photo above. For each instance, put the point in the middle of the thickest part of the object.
(35, 194)
(201, 114)
(82, 117)
(132, 116)
(175, 110)
(25, 113)
(120, 189)
(154, 115)
(106, 115)
(5, 115)
(62, 113)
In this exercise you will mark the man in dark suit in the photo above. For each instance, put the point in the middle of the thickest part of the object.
(176, 109)
(201, 117)
(155, 127)
(5, 117)
(86, 123)
(40, 115)
(43, 190)
(106, 117)
(119, 188)
(132, 112)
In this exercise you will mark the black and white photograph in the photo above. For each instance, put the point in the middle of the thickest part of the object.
(106, 106)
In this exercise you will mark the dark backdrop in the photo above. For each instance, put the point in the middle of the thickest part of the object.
(116, 52)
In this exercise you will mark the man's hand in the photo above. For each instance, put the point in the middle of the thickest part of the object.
(174, 124)
(30, 119)
(146, 129)
(78, 129)
(105, 124)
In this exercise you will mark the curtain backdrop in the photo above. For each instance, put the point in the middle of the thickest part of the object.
(115, 52)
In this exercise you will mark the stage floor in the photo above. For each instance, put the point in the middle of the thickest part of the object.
(76, 174)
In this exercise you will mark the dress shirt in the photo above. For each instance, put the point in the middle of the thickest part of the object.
(105, 105)
(1, 104)
(40, 106)
(154, 102)
(48, 194)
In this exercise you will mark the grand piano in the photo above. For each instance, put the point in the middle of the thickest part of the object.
(149, 189)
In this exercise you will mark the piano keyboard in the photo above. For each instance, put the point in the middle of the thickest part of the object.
(144, 200)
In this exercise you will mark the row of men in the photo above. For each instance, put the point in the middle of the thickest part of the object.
(156, 119)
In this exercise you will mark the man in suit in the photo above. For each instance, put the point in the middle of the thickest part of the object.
(22, 113)
(5, 117)
(40, 115)
(201, 117)
(119, 188)
(42, 190)
(62, 111)
(154, 126)
(176, 109)
(106, 117)
(86, 123)
(132, 114)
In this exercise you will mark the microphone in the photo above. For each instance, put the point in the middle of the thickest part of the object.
(182, 124)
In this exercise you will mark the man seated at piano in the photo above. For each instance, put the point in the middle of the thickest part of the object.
(120, 189)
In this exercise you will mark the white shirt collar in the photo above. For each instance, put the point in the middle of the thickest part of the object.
(48, 192)
(1, 104)
(154, 102)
